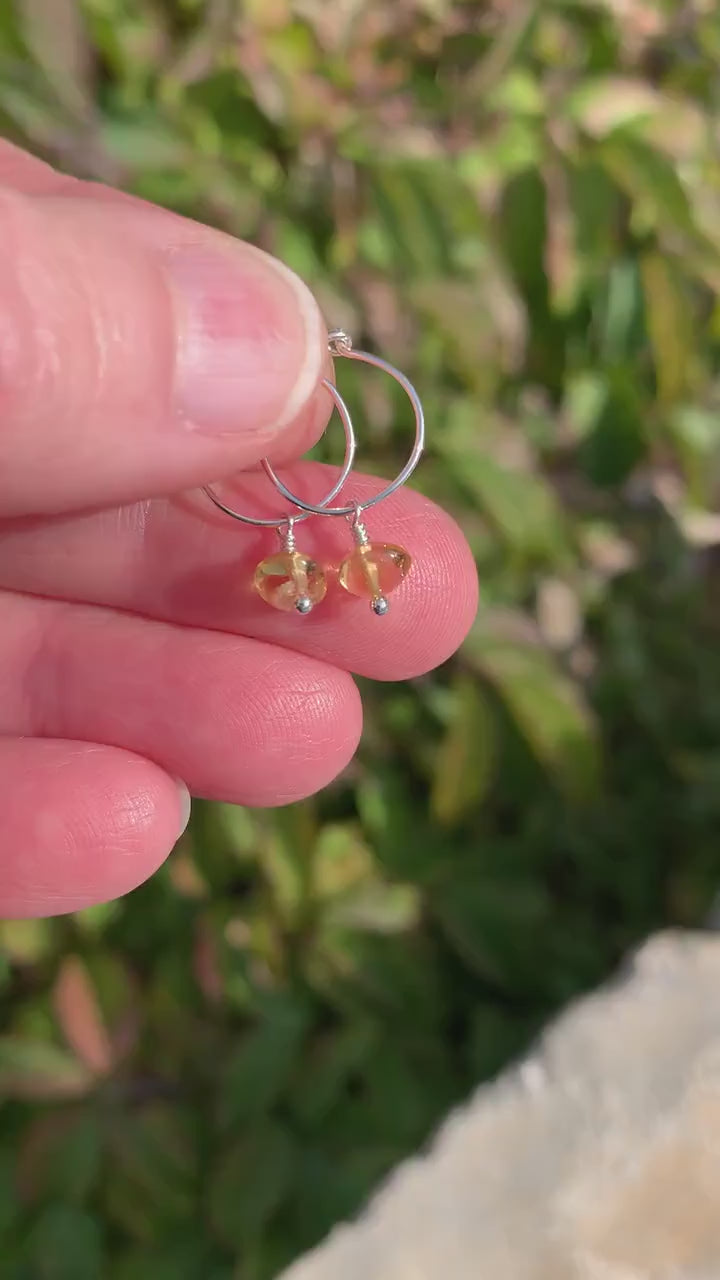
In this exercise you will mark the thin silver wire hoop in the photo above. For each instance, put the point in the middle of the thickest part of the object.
(293, 519)
(340, 344)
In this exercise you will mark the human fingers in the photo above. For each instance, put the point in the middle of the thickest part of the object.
(82, 824)
(237, 719)
(182, 561)
(142, 353)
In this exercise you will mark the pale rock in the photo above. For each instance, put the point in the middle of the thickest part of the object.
(598, 1158)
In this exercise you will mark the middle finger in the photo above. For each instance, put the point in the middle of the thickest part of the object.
(182, 561)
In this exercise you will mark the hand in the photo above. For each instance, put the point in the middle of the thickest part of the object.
(142, 354)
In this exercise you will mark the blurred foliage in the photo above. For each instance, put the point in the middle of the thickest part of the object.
(520, 204)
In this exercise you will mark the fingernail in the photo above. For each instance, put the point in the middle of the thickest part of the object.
(185, 805)
(251, 341)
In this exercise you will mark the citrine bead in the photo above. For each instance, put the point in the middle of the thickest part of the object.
(373, 570)
(290, 580)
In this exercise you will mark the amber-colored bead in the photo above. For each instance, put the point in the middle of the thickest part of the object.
(290, 580)
(374, 570)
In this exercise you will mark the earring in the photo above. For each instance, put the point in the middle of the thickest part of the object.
(373, 569)
(290, 579)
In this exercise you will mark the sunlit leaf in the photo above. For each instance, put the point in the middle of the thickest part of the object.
(144, 143)
(546, 705)
(377, 908)
(481, 321)
(619, 438)
(669, 122)
(517, 501)
(605, 103)
(670, 326)
(417, 223)
(341, 861)
(651, 179)
(25, 941)
(37, 1069)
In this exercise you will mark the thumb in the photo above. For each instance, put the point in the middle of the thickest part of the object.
(141, 353)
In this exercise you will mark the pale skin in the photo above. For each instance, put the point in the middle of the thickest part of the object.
(142, 355)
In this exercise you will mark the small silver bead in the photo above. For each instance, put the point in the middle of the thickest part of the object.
(303, 604)
(380, 606)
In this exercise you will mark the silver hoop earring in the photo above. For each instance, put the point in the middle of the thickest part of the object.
(289, 579)
(373, 569)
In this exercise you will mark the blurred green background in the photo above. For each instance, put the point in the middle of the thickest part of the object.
(519, 204)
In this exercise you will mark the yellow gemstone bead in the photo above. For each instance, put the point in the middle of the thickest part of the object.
(374, 570)
(290, 580)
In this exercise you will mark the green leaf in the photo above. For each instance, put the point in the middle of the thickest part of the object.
(481, 322)
(670, 122)
(374, 908)
(489, 923)
(94, 921)
(519, 503)
(34, 1069)
(619, 313)
(695, 432)
(596, 206)
(405, 846)
(416, 222)
(605, 103)
(400, 1095)
(670, 326)
(327, 1069)
(9, 1207)
(257, 1071)
(650, 179)
(25, 102)
(65, 1244)
(25, 941)
(466, 759)
(153, 1161)
(506, 51)
(341, 861)
(60, 1155)
(249, 1182)
(55, 34)
(186, 1256)
(144, 142)
(547, 707)
(619, 438)
(177, 1260)
(523, 230)
(497, 1036)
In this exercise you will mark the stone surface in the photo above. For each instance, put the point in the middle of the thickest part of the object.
(598, 1158)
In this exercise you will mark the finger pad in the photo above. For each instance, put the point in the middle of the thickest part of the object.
(82, 824)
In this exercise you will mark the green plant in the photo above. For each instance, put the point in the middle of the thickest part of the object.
(518, 204)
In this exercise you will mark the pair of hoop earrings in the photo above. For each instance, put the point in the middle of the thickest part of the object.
(289, 579)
